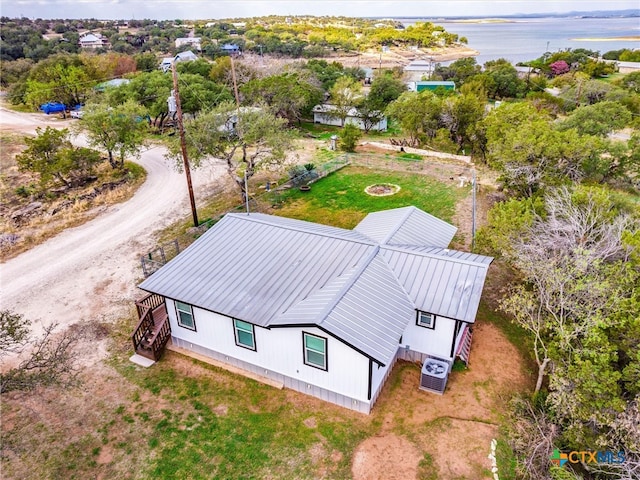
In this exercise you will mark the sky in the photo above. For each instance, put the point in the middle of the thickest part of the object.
(214, 9)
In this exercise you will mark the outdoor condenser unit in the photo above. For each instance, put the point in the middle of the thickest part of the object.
(434, 375)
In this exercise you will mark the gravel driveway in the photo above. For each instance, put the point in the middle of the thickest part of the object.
(91, 271)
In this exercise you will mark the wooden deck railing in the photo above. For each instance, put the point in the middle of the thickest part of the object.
(153, 330)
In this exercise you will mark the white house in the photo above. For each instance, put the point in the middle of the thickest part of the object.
(326, 114)
(93, 41)
(322, 310)
(186, 56)
(194, 42)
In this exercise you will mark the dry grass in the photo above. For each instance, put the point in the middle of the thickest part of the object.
(57, 212)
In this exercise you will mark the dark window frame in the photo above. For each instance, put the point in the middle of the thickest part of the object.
(237, 337)
(190, 312)
(433, 320)
(325, 353)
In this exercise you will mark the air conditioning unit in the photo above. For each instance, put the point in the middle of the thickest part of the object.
(434, 375)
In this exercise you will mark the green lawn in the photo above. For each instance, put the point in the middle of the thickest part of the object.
(340, 199)
(214, 424)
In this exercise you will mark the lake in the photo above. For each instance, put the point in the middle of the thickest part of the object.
(523, 39)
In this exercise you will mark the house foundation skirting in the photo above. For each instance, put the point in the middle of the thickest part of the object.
(289, 382)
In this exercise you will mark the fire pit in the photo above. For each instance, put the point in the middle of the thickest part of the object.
(382, 189)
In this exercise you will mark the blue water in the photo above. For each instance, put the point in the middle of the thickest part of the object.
(526, 39)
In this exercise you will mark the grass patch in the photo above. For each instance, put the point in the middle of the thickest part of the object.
(219, 425)
(340, 200)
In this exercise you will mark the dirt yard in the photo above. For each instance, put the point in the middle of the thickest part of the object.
(454, 430)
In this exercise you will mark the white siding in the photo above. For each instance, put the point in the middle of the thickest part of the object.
(436, 342)
(279, 350)
(327, 119)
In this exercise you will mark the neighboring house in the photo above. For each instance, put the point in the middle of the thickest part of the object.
(186, 56)
(93, 40)
(194, 42)
(321, 310)
(230, 48)
(326, 114)
(430, 85)
(418, 69)
(114, 83)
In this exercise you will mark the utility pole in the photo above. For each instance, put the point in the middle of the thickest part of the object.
(183, 142)
(473, 210)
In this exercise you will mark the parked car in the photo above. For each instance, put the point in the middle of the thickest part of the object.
(76, 113)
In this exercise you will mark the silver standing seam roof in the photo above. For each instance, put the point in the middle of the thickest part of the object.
(360, 286)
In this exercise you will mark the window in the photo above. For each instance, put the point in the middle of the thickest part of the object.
(315, 351)
(427, 320)
(185, 316)
(244, 334)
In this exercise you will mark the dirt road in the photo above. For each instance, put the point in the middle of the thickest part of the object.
(90, 272)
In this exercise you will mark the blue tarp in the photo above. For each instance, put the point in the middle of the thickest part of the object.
(53, 107)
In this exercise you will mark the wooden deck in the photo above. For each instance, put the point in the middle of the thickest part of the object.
(153, 331)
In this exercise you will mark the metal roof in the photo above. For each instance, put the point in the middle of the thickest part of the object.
(274, 271)
(255, 267)
(406, 225)
(439, 283)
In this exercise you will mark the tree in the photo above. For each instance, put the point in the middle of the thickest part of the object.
(246, 139)
(579, 259)
(384, 90)
(460, 114)
(559, 68)
(418, 114)
(502, 81)
(53, 157)
(289, 95)
(120, 130)
(49, 360)
(349, 137)
(345, 95)
(62, 78)
(599, 119)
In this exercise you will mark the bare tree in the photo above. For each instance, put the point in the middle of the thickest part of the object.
(560, 256)
(532, 435)
(49, 358)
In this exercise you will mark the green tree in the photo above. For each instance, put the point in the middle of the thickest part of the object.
(418, 115)
(349, 137)
(345, 94)
(54, 158)
(384, 90)
(289, 95)
(62, 78)
(460, 114)
(502, 81)
(246, 140)
(579, 259)
(599, 119)
(120, 130)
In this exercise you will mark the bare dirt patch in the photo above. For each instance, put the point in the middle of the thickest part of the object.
(454, 429)
(387, 457)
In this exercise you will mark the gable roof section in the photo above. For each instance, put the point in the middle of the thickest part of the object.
(255, 267)
(372, 313)
(439, 282)
(406, 226)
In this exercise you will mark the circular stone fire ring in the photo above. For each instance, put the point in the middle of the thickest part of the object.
(382, 189)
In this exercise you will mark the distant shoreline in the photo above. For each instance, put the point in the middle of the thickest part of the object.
(635, 38)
